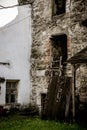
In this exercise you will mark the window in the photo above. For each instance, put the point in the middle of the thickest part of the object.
(85, 3)
(84, 22)
(59, 7)
(11, 91)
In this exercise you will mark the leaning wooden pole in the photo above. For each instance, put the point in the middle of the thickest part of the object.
(73, 92)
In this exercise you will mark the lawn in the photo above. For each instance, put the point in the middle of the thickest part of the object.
(26, 123)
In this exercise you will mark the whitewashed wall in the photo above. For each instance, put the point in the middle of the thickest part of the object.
(15, 48)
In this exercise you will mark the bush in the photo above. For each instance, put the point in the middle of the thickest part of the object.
(13, 111)
(3, 112)
(31, 110)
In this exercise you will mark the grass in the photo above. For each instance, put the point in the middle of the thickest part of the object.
(26, 123)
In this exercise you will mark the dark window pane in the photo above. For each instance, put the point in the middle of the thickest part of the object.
(12, 98)
(8, 85)
(60, 6)
(13, 85)
(7, 98)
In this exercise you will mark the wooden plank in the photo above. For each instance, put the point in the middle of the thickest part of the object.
(68, 96)
(73, 92)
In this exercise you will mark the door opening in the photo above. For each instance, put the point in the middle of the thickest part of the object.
(59, 52)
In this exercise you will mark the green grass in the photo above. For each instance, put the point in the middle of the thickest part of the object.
(25, 123)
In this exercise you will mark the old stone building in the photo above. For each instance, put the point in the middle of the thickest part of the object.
(57, 35)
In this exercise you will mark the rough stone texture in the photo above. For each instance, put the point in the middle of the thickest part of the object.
(45, 25)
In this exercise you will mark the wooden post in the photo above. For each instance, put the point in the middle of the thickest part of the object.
(68, 96)
(73, 92)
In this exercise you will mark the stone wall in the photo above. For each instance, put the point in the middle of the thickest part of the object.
(44, 25)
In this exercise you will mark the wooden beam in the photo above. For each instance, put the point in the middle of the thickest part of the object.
(68, 96)
(73, 91)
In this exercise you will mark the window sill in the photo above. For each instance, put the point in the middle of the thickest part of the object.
(58, 15)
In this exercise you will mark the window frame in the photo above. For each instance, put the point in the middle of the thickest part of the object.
(10, 90)
(55, 10)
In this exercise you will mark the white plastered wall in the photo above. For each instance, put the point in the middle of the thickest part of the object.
(15, 49)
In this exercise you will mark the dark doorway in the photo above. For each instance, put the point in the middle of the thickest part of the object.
(59, 47)
(56, 98)
(43, 105)
(59, 53)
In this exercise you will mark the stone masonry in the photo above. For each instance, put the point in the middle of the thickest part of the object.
(45, 25)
